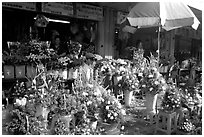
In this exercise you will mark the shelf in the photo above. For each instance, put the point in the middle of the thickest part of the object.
(6, 80)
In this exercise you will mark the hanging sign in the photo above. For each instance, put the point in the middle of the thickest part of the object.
(121, 16)
(21, 5)
(89, 12)
(60, 8)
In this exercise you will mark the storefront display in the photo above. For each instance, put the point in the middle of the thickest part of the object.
(78, 92)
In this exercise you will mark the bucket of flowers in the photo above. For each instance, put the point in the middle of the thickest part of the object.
(151, 84)
(130, 86)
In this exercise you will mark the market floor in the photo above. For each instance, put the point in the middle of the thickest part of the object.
(134, 125)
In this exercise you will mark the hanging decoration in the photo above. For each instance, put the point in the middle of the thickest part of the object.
(41, 21)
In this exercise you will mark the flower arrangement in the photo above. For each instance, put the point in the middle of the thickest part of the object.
(192, 95)
(89, 104)
(152, 82)
(130, 83)
(139, 62)
(23, 118)
(18, 124)
(172, 99)
(111, 110)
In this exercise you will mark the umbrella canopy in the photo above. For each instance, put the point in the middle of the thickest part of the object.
(166, 15)
(170, 15)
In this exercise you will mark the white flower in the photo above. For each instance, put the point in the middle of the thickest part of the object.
(140, 74)
(115, 114)
(107, 107)
(150, 76)
(132, 86)
(18, 102)
(123, 127)
(119, 105)
(23, 101)
(109, 102)
(143, 86)
(123, 112)
(111, 117)
(102, 99)
(150, 89)
(89, 102)
(162, 81)
(85, 94)
(109, 114)
(156, 83)
(130, 81)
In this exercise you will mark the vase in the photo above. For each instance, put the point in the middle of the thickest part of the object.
(150, 103)
(128, 97)
(73, 73)
(20, 71)
(8, 71)
(94, 125)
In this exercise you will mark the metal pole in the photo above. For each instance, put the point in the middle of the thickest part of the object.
(159, 41)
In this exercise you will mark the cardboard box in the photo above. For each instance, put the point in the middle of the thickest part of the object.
(20, 71)
(8, 71)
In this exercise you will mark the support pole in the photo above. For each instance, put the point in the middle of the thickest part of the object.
(159, 41)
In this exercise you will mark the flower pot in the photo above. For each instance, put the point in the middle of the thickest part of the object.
(66, 119)
(128, 97)
(8, 71)
(73, 73)
(31, 71)
(20, 71)
(150, 103)
(111, 129)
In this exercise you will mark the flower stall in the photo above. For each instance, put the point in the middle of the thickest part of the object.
(72, 95)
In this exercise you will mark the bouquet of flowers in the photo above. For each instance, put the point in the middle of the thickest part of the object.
(186, 125)
(139, 62)
(111, 110)
(172, 99)
(152, 82)
(130, 83)
(39, 52)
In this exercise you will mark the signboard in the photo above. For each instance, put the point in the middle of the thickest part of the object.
(121, 16)
(89, 12)
(21, 5)
(60, 8)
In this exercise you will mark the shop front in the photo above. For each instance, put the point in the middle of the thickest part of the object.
(37, 21)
